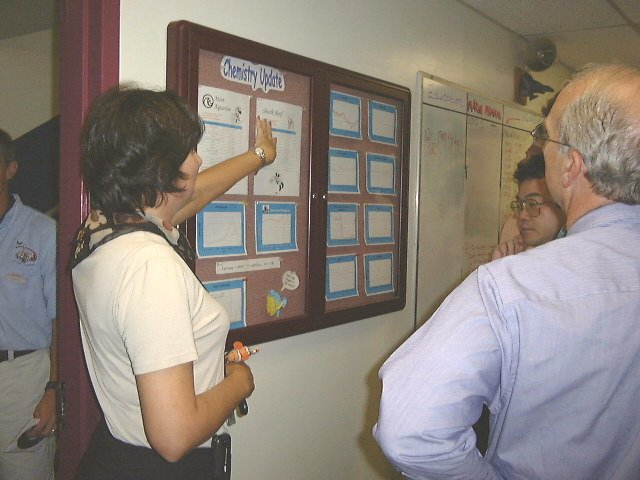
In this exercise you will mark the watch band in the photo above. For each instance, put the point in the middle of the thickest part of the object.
(52, 386)
(259, 151)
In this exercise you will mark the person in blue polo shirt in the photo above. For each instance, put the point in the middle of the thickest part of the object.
(28, 367)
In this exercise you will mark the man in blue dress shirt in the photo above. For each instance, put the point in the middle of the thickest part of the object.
(28, 368)
(549, 339)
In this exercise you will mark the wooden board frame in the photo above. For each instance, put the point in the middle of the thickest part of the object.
(185, 44)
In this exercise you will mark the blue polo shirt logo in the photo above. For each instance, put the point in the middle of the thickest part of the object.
(24, 254)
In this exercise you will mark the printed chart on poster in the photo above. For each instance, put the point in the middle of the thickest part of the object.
(470, 146)
(314, 239)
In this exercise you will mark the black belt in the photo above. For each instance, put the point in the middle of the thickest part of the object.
(4, 354)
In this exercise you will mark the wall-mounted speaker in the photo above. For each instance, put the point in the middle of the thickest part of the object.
(540, 54)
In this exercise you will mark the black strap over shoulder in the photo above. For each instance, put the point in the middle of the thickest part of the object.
(101, 228)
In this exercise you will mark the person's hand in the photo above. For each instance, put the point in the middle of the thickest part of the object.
(46, 412)
(264, 139)
(241, 375)
(510, 247)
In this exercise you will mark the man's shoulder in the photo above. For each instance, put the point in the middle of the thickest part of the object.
(581, 263)
(529, 269)
(551, 253)
(35, 217)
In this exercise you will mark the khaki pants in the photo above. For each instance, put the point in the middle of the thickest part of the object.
(22, 383)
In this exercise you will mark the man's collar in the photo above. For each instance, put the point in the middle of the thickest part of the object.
(604, 215)
(12, 200)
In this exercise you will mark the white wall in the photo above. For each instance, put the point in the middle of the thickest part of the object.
(316, 394)
(28, 81)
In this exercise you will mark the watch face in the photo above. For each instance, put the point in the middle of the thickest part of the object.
(263, 157)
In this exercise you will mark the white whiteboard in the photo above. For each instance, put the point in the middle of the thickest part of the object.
(482, 198)
(469, 149)
(441, 221)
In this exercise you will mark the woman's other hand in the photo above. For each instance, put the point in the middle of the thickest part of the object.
(240, 374)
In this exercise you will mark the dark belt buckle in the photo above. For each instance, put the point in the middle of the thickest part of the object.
(4, 354)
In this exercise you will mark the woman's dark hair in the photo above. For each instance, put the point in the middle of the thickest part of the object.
(529, 168)
(133, 144)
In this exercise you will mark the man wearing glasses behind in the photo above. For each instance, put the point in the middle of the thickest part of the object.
(538, 217)
(549, 339)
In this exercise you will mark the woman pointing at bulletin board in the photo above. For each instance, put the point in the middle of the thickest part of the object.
(153, 337)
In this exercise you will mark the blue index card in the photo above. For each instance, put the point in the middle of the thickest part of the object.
(381, 174)
(232, 295)
(342, 224)
(344, 175)
(378, 273)
(383, 120)
(220, 230)
(345, 115)
(341, 277)
(276, 227)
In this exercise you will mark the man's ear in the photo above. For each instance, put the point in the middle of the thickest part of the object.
(12, 169)
(573, 167)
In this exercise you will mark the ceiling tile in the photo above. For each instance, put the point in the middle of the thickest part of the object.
(528, 17)
(583, 30)
(619, 44)
(630, 8)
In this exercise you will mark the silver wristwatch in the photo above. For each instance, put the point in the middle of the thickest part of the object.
(259, 151)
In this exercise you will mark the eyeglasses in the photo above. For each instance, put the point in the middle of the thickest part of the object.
(532, 207)
(540, 133)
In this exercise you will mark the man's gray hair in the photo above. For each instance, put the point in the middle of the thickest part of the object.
(603, 123)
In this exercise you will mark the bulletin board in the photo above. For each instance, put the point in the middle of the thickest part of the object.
(318, 238)
(470, 145)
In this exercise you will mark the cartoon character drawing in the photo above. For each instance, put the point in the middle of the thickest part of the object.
(279, 182)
